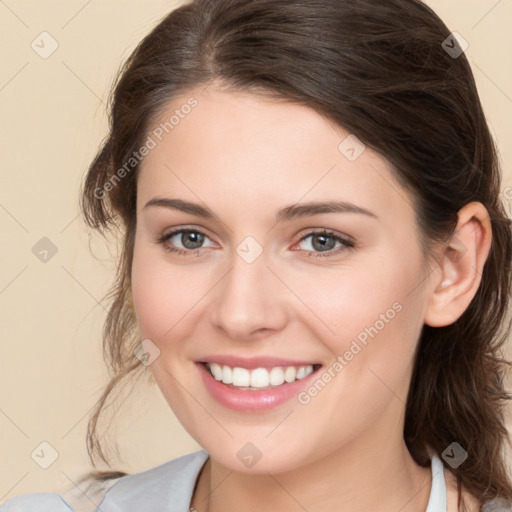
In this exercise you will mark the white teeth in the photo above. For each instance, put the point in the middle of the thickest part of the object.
(289, 374)
(276, 376)
(241, 377)
(259, 377)
(216, 371)
(227, 375)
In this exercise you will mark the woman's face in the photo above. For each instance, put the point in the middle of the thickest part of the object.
(257, 284)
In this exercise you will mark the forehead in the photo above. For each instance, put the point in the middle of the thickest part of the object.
(241, 148)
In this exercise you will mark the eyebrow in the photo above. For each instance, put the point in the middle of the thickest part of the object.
(287, 213)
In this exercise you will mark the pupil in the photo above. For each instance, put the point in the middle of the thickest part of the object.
(323, 244)
(196, 238)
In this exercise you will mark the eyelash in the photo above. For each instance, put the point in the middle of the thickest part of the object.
(346, 244)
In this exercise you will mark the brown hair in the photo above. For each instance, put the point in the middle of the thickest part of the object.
(380, 70)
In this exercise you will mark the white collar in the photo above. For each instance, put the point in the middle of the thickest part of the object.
(437, 500)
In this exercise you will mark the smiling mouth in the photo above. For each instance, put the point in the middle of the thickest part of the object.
(259, 378)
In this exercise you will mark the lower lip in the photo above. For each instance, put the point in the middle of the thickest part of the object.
(252, 401)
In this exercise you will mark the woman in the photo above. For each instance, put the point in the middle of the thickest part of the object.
(316, 259)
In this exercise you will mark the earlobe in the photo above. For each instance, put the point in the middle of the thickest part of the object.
(461, 263)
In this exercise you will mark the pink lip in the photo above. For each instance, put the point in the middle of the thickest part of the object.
(253, 362)
(253, 401)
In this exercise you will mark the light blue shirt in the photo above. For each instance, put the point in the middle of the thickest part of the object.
(169, 488)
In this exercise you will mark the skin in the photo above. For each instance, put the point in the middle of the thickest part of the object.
(245, 157)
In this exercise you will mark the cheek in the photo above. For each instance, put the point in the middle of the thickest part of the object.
(167, 297)
(155, 291)
(376, 322)
(353, 299)
(163, 297)
(368, 316)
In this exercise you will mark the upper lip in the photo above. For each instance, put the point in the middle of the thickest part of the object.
(253, 362)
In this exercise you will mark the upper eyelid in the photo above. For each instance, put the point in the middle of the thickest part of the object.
(176, 231)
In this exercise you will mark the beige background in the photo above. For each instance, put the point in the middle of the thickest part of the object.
(53, 118)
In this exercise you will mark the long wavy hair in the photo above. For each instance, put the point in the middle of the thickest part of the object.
(392, 74)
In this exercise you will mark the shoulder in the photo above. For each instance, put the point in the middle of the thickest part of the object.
(131, 492)
(174, 472)
(167, 487)
(37, 502)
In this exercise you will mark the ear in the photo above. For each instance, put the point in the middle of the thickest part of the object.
(461, 262)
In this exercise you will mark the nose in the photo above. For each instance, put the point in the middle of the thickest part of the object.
(250, 301)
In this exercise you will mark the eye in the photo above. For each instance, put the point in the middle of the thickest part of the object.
(190, 239)
(324, 242)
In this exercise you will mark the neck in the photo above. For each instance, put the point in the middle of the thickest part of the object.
(373, 472)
